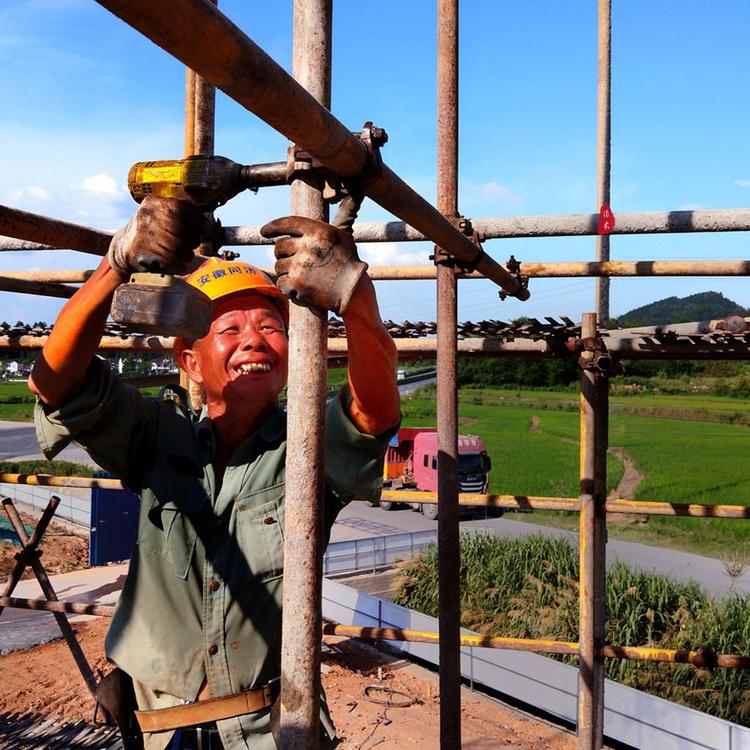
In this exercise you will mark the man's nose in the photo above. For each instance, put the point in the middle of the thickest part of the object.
(253, 339)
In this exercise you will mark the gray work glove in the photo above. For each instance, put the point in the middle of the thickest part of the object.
(316, 263)
(160, 238)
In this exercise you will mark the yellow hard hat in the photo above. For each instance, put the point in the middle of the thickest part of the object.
(218, 278)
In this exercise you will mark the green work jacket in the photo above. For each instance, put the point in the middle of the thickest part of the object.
(203, 593)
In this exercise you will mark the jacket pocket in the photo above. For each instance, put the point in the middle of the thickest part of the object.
(260, 535)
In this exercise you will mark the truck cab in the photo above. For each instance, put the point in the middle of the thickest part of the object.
(412, 460)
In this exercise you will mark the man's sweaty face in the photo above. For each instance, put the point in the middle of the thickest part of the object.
(244, 356)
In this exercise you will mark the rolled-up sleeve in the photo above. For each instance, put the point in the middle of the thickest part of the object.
(354, 460)
(111, 420)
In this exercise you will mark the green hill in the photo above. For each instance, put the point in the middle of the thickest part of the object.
(702, 306)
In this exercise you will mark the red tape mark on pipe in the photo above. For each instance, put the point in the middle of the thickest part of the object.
(606, 219)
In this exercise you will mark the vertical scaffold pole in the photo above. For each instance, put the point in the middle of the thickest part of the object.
(303, 553)
(603, 151)
(200, 126)
(447, 401)
(593, 540)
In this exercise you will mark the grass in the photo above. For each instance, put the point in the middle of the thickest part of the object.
(535, 452)
(529, 589)
(55, 468)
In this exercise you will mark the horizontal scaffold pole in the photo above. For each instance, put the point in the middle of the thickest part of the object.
(23, 225)
(506, 502)
(204, 39)
(532, 270)
(28, 286)
(565, 225)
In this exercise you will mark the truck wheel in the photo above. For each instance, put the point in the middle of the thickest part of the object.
(430, 510)
(386, 504)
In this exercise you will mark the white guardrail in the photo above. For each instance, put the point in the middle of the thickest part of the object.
(633, 717)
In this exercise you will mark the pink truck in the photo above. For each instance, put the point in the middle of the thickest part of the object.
(411, 464)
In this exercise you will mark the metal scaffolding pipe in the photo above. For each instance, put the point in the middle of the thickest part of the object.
(449, 610)
(468, 499)
(8, 244)
(592, 533)
(638, 653)
(60, 234)
(533, 270)
(68, 608)
(604, 148)
(24, 286)
(201, 37)
(562, 225)
(305, 460)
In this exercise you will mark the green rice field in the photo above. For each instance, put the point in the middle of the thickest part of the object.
(532, 438)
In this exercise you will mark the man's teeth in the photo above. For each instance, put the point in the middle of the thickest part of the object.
(254, 367)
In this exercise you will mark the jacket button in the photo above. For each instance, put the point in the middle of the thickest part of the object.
(269, 520)
(213, 649)
(213, 586)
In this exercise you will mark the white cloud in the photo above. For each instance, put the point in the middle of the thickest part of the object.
(690, 207)
(393, 254)
(101, 184)
(38, 193)
(497, 192)
(742, 183)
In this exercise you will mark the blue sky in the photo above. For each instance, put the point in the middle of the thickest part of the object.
(85, 96)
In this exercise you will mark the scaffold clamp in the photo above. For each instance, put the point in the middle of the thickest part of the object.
(513, 267)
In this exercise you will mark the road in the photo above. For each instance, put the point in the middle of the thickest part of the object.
(358, 520)
(18, 441)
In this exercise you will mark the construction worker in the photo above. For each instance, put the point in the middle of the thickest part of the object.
(198, 623)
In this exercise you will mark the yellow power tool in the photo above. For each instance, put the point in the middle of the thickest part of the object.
(159, 303)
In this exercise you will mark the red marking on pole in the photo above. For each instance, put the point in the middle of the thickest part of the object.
(606, 219)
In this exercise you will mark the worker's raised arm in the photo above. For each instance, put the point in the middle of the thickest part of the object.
(317, 264)
(161, 235)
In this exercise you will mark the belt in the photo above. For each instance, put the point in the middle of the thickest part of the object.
(213, 709)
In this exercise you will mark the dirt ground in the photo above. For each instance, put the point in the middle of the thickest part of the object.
(44, 680)
(63, 549)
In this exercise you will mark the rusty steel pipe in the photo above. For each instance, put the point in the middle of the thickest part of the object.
(469, 499)
(27, 286)
(9, 244)
(45, 584)
(50, 277)
(449, 544)
(561, 225)
(46, 480)
(69, 608)
(61, 234)
(592, 534)
(306, 400)
(621, 268)
(604, 147)
(703, 659)
(201, 37)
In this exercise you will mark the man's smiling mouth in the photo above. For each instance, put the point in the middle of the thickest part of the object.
(249, 367)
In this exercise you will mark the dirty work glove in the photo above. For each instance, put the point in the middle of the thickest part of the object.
(160, 238)
(316, 263)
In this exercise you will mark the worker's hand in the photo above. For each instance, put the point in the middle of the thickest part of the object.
(160, 238)
(316, 263)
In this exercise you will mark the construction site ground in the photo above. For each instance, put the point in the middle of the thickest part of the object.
(44, 680)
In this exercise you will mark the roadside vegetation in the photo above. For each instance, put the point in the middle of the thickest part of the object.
(528, 588)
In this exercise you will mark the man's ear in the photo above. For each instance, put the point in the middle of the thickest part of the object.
(187, 360)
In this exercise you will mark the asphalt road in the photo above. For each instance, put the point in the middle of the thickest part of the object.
(18, 441)
(359, 520)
